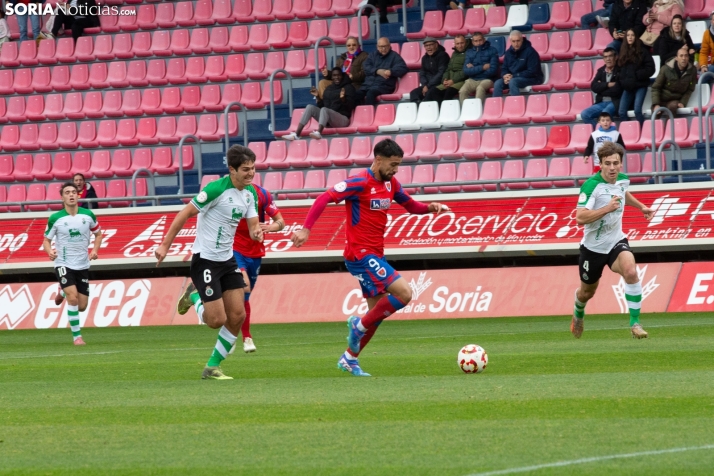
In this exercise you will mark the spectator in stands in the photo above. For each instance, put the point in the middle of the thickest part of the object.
(351, 62)
(605, 132)
(382, 6)
(598, 17)
(607, 89)
(636, 67)
(454, 77)
(626, 15)
(77, 15)
(382, 68)
(4, 29)
(334, 109)
(706, 52)
(84, 190)
(433, 67)
(672, 39)
(521, 67)
(502, 3)
(660, 16)
(481, 68)
(674, 84)
(36, 21)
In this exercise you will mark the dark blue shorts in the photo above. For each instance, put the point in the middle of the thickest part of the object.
(250, 265)
(375, 275)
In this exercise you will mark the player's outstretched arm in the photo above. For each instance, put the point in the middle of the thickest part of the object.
(633, 202)
(256, 232)
(277, 225)
(300, 237)
(47, 245)
(98, 236)
(178, 223)
(585, 216)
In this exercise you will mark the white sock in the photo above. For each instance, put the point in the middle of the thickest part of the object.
(360, 326)
(349, 356)
(199, 311)
(230, 340)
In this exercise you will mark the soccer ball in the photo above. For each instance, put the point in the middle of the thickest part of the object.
(472, 359)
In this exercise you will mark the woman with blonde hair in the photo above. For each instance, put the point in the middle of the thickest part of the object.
(673, 39)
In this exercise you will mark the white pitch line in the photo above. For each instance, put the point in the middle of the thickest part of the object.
(594, 459)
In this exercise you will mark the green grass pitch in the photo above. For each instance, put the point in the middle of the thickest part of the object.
(132, 401)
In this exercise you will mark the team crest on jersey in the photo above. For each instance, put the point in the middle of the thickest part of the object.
(379, 204)
(388, 186)
(341, 187)
(202, 197)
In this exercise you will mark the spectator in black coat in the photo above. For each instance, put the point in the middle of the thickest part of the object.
(381, 69)
(84, 190)
(433, 66)
(607, 89)
(636, 68)
(335, 108)
(671, 40)
(75, 15)
(626, 14)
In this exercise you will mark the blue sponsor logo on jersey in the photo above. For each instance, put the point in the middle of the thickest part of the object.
(380, 203)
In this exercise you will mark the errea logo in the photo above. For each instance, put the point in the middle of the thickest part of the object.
(15, 306)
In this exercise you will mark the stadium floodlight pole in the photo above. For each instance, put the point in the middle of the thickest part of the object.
(198, 160)
(699, 99)
(669, 141)
(271, 79)
(317, 56)
(359, 23)
(707, 119)
(225, 123)
(152, 184)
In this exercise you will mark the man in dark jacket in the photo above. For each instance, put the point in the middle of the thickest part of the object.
(607, 89)
(675, 84)
(382, 68)
(626, 14)
(433, 66)
(480, 68)
(84, 191)
(335, 108)
(454, 77)
(521, 67)
(84, 15)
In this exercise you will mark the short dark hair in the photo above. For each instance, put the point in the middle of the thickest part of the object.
(388, 148)
(604, 114)
(610, 148)
(338, 69)
(610, 49)
(81, 175)
(477, 33)
(68, 184)
(239, 155)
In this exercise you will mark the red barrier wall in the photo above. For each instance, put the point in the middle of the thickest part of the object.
(536, 291)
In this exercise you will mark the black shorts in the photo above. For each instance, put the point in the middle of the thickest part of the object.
(592, 264)
(211, 278)
(73, 277)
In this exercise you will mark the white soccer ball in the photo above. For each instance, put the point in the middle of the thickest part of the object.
(472, 359)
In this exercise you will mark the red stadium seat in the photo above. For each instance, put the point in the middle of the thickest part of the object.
(602, 39)
(126, 133)
(444, 173)
(23, 168)
(412, 54)
(223, 12)
(404, 85)
(28, 53)
(218, 41)
(47, 138)
(273, 181)
(560, 167)
(116, 75)
(491, 144)
(107, 133)
(277, 153)
(560, 16)
(541, 43)
(278, 36)
(65, 50)
(238, 39)
(261, 152)
(41, 79)
(314, 179)
(166, 130)
(538, 168)
(146, 18)
(176, 71)
(646, 137)
(630, 132)
(582, 74)
(9, 55)
(121, 163)
(128, 20)
(96, 77)
(16, 109)
(112, 104)
(297, 154)
(425, 145)
(93, 106)
(215, 69)
(6, 82)
(255, 66)
(191, 99)
(273, 61)
(335, 176)
(180, 42)
(16, 193)
(559, 138)
(361, 151)
(161, 43)
(101, 164)
(146, 131)
(87, 136)
(495, 17)
(491, 171)
(183, 14)
(338, 154)
(54, 107)
(62, 166)
(433, 23)
(580, 8)
(23, 81)
(36, 192)
(46, 52)
(117, 189)
(165, 15)
(67, 136)
(468, 172)
(513, 169)
(243, 11)
(9, 138)
(258, 37)
(204, 13)
(82, 163)
(136, 74)
(199, 43)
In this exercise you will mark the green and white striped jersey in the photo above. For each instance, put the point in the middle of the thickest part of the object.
(221, 207)
(72, 235)
(602, 235)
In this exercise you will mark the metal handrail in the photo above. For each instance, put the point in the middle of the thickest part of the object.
(707, 143)
(404, 17)
(152, 184)
(197, 157)
(699, 99)
(272, 95)
(666, 142)
(421, 4)
(245, 123)
(317, 56)
(359, 23)
(22, 205)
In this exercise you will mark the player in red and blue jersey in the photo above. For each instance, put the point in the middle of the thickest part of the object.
(368, 196)
(249, 254)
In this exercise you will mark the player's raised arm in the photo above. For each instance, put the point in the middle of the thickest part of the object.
(182, 217)
(633, 202)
